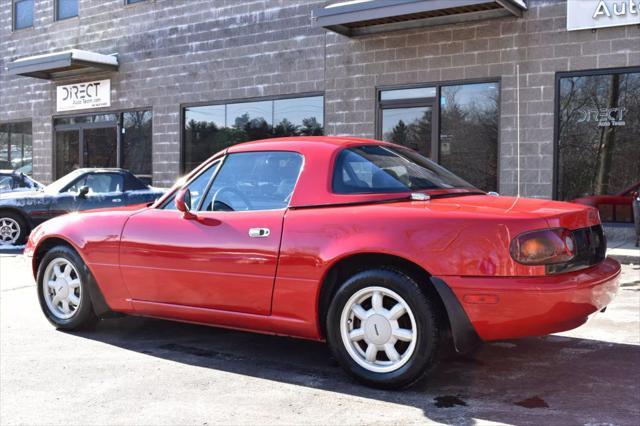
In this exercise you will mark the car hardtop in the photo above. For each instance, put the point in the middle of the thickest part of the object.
(314, 187)
(131, 182)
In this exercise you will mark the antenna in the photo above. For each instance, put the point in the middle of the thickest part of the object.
(518, 124)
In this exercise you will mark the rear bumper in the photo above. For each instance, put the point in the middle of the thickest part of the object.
(512, 307)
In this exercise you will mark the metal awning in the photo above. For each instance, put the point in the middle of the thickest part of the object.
(72, 62)
(361, 17)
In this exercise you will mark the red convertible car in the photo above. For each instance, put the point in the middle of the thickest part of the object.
(367, 245)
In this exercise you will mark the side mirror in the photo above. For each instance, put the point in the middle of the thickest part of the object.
(84, 190)
(183, 203)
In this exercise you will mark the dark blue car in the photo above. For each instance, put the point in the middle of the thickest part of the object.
(82, 189)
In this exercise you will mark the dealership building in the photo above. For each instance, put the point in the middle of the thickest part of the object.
(157, 86)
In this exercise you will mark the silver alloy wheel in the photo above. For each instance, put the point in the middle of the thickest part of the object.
(62, 288)
(9, 231)
(381, 335)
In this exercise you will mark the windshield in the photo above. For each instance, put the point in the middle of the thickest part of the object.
(57, 186)
(386, 169)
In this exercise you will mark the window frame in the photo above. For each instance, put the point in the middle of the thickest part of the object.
(435, 111)
(56, 7)
(556, 112)
(78, 126)
(184, 106)
(14, 14)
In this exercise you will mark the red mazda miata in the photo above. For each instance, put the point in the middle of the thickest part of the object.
(364, 244)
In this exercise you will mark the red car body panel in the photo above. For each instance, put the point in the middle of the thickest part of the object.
(207, 270)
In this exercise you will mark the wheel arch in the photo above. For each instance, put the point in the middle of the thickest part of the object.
(100, 306)
(354, 263)
(20, 212)
(465, 338)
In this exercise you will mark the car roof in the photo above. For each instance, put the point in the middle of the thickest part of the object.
(8, 171)
(303, 143)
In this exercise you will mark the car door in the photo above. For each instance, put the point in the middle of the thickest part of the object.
(225, 258)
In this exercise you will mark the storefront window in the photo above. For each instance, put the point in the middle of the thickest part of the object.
(16, 147)
(469, 117)
(211, 128)
(598, 155)
(95, 141)
(454, 125)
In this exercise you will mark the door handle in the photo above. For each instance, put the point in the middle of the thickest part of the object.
(116, 200)
(259, 232)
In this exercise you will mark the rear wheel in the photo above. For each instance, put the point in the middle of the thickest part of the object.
(63, 289)
(13, 229)
(383, 329)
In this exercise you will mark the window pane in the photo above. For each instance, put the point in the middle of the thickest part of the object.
(136, 143)
(134, 1)
(598, 149)
(95, 118)
(99, 183)
(410, 127)
(23, 14)
(16, 146)
(67, 151)
(67, 9)
(209, 129)
(204, 134)
(419, 92)
(254, 181)
(100, 147)
(250, 120)
(196, 187)
(300, 116)
(469, 119)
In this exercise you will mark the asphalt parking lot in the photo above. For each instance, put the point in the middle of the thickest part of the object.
(151, 372)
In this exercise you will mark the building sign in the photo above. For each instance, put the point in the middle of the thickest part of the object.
(590, 14)
(605, 117)
(92, 94)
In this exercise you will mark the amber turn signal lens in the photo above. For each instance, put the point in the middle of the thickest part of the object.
(543, 247)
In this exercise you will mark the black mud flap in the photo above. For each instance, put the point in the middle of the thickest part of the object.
(100, 307)
(465, 338)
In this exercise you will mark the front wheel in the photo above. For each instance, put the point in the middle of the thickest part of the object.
(63, 289)
(383, 329)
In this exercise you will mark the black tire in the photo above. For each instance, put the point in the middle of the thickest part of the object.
(84, 316)
(427, 319)
(22, 224)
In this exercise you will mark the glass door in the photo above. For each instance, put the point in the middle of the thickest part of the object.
(100, 147)
(67, 151)
(406, 117)
(410, 127)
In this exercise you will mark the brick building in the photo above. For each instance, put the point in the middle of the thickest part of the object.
(178, 80)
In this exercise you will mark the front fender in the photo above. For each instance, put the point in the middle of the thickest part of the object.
(96, 238)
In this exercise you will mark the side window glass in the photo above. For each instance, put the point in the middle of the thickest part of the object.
(102, 183)
(196, 187)
(77, 185)
(254, 181)
(6, 183)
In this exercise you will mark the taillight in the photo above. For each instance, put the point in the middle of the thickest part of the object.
(543, 247)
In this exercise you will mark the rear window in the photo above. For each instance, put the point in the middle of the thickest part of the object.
(371, 169)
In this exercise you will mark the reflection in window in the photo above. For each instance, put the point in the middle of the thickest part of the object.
(16, 147)
(66, 9)
(469, 117)
(598, 149)
(136, 143)
(209, 129)
(22, 14)
(410, 127)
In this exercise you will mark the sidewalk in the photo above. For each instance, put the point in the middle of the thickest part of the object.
(621, 240)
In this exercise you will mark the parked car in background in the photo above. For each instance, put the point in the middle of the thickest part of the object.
(366, 244)
(82, 189)
(14, 181)
(613, 208)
